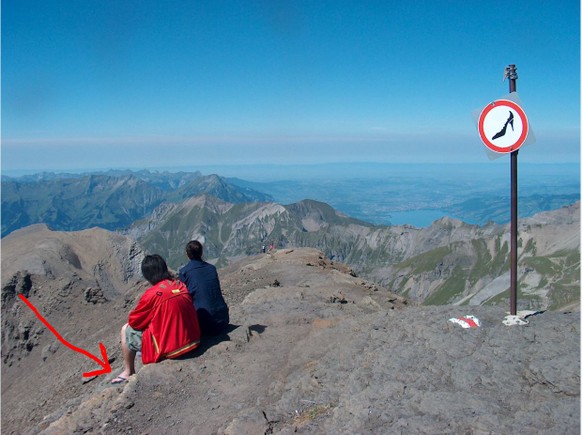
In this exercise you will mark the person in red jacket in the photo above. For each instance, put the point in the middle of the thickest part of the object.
(164, 324)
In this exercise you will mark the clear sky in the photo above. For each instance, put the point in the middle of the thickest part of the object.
(96, 84)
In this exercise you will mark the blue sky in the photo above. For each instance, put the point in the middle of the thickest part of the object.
(97, 84)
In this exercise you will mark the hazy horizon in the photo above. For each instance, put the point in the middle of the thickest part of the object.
(276, 172)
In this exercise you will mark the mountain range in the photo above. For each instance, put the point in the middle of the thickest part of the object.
(110, 200)
(449, 262)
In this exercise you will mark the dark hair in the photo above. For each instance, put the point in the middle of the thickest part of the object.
(155, 269)
(194, 250)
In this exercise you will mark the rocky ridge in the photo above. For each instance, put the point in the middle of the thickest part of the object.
(312, 349)
(448, 262)
(112, 200)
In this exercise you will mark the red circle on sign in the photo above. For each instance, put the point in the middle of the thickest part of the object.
(520, 112)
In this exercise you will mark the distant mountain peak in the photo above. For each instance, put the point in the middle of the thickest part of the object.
(111, 200)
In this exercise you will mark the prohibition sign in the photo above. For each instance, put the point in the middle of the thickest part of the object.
(503, 126)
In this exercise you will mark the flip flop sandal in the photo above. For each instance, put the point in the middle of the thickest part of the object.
(119, 380)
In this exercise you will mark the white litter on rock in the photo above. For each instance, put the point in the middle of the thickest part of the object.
(519, 318)
(514, 320)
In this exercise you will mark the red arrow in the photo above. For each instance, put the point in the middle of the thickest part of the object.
(104, 363)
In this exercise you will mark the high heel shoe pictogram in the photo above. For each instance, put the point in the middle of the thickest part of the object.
(504, 129)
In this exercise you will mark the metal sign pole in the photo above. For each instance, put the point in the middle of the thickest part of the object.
(511, 73)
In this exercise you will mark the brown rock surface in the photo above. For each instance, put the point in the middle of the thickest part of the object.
(312, 349)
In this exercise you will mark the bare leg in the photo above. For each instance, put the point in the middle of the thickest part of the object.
(128, 358)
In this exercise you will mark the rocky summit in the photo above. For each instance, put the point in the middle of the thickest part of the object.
(312, 348)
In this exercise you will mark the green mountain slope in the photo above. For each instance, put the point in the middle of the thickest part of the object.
(449, 262)
(111, 200)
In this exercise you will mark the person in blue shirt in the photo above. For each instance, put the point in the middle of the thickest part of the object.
(203, 285)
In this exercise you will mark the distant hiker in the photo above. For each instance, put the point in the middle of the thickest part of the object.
(164, 322)
(203, 284)
(271, 247)
(264, 248)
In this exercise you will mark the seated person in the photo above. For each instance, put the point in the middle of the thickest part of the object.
(202, 281)
(164, 323)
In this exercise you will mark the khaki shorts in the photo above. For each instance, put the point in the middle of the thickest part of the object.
(133, 339)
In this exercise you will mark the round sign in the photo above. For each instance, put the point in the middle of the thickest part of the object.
(503, 126)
